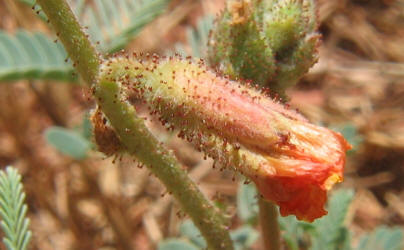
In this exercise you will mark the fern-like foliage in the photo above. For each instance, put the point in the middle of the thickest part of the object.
(26, 55)
(13, 211)
(113, 24)
(198, 37)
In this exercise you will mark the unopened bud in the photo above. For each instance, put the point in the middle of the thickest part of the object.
(271, 42)
(292, 162)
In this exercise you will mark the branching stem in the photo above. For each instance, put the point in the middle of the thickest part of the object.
(162, 163)
(131, 129)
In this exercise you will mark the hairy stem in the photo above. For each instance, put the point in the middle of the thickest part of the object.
(134, 135)
(76, 42)
(162, 163)
(268, 215)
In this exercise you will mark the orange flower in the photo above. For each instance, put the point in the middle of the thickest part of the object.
(292, 162)
(306, 167)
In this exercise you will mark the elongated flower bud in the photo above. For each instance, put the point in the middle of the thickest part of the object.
(292, 162)
(271, 42)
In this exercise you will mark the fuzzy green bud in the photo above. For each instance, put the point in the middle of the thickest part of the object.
(271, 42)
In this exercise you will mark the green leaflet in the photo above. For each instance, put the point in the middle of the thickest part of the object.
(198, 37)
(382, 239)
(13, 211)
(330, 232)
(176, 244)
(26, 55)
(190, 238)
(247, 207)
(189, 231)
(68, 142)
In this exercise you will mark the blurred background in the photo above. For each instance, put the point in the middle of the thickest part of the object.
(79, 199)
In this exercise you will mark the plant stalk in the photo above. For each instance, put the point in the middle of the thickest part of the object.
(162, 163)
(132, 131)
(84, 55)
(268, 216)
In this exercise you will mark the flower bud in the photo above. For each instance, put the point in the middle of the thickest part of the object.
(105, 138)
(271, 42)
(292, 162)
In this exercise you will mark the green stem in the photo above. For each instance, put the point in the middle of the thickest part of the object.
(131, 129)
(69, 31)
(161, 162)
(268, 215)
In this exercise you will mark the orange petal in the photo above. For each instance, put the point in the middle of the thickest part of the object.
(300, 184)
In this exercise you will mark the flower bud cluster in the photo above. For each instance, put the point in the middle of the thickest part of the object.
(271, 42)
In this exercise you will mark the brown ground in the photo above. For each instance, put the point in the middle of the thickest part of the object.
(96, 204)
